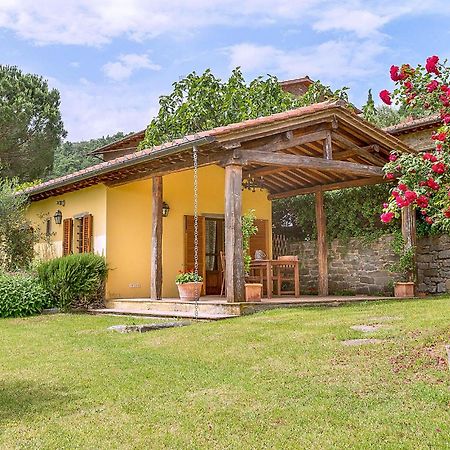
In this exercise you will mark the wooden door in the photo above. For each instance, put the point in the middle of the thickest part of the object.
(189, 246)
(214, 244)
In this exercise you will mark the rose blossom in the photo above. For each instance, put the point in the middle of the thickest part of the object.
(390, 176)
(393, 157)
(422, 201)
(410, 196)
(431, 64)
(385, 95)
(432, 184)
(432, 86)
(387, 217)
(439, 168)
(439, 137)
(428, 220)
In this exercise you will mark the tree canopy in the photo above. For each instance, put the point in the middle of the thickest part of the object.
(30, 124)
(201, 102)
(72, 156)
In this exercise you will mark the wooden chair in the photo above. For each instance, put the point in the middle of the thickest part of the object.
(288, 274)
(222, 271)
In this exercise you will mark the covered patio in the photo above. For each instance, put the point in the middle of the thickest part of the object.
(313, 149)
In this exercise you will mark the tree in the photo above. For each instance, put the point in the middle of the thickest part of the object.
(30, 124)
(383, 115)
(423, 180)
(16, 236)
(201, 102)
(72, 156)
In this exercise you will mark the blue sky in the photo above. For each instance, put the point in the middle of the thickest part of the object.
(111, 59)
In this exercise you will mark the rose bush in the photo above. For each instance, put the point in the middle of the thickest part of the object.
(423, 180)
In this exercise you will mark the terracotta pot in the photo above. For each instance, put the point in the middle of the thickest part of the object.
(188, 291)
(253, 292)
(404, 289)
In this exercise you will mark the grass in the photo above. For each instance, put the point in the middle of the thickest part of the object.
(282, 379)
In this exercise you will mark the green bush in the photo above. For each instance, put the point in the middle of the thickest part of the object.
(22, 295)
(75, 281)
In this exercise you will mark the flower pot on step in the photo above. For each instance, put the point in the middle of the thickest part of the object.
(253, 292)
(404, 289)
(189, 291)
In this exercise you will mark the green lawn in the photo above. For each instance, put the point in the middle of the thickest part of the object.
(281, 379)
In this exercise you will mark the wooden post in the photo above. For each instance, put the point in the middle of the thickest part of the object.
(234, 258)
(409, 232)
(322, 250)
(328, 146)
(156, 246)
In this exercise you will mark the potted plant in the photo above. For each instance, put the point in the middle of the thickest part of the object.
(406, 287)
(253, 291)
(189, 285)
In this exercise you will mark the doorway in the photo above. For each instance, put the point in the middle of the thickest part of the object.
(214, 244)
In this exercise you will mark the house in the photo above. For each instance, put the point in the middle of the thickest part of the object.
(137, 207)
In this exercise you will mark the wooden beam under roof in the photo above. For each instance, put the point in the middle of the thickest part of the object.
(308, 162)
(329, 187)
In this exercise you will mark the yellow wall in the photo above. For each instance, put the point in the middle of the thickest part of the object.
(91, 200)
(122, 224)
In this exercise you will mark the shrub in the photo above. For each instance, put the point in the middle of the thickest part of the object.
(22, 295)
(75, 281)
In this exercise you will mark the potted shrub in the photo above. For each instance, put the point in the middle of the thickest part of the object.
(406, 287)
(189, 285)
(253, 291)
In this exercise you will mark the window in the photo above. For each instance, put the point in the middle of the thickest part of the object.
(48, 227)
(77, 236)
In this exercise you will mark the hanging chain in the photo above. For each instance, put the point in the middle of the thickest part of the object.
(196, 267)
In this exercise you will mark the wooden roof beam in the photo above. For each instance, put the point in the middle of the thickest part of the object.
(329, 187)
(308, 162)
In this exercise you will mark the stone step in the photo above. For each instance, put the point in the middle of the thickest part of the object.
(172, 306)
(151, 313)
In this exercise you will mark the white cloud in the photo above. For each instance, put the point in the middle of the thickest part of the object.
(90, 110)
(127, 64)
(88, 22)
(329, 61)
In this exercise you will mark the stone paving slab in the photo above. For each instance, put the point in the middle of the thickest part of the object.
(143, 328)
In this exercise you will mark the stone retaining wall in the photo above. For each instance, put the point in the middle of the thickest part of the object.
(362, 267)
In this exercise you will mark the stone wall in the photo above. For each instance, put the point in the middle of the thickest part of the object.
(362, 267)
(433, 264)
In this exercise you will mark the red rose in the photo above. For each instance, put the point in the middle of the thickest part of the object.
(432, 184)
(438, 147)
(395, 193)
(432, 86)
(447, 213)
(386, 97)
(390, 176)
(445, 118)
(395, 73)
(422, 201)
(408, 85)
(439, 137)
(402, 187)
(410, 196)
(431, 64)
(387, 217)
(429, 220)
(385, 205)
(444, 100)
(401, 202)
(393, 157)
(439, 167)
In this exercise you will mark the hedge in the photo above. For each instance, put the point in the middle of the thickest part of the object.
(75, 281)
(22, 295)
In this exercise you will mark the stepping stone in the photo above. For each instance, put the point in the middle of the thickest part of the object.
(354, 342)
(366, 328)
(147, 327)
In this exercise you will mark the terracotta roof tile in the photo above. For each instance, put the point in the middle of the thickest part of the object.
(411, 125)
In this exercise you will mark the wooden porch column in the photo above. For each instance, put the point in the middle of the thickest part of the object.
(322, 250)
(409, 231)
(156, 246)
(234, 258)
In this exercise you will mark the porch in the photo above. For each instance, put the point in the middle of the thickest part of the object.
(216, 308)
